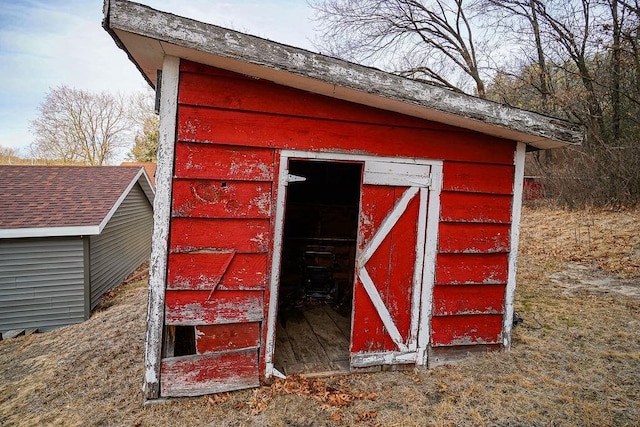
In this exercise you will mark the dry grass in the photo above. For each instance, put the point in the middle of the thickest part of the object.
(575, 360)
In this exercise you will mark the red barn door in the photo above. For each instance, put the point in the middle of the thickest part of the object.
(390, 264)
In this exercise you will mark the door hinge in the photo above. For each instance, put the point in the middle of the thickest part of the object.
(288, 177)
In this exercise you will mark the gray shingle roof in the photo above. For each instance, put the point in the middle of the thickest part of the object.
(60, 196)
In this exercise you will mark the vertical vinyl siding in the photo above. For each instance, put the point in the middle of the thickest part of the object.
(123, 245)
(41, 283)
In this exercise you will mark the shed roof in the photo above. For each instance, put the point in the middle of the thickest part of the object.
(47, 201)
(147, 35)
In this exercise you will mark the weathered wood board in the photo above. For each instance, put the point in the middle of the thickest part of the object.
(466, 330)
(232, 336)
(209, 373)
(222, 270)
(207, 308)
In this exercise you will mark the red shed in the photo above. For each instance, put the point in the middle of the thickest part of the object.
(315, 215)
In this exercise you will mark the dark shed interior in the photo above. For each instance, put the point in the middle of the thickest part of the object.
(317, 268)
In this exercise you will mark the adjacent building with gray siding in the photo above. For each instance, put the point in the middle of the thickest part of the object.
(67, 236)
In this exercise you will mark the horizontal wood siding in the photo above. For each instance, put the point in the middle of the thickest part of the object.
(473, 248)
(41, 283)
(219, 240)
(124, 244)
(230, 128)
(220, 107)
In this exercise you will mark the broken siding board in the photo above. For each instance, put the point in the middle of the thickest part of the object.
(203, 270)
(232, 336)
(207, 308)
(243, 235)
(198, 270)
(227, 127)
(219, 162)
(221, 199)
(466, 329)
(475, 207)
(471, 268)
(443, 355)
(468, 299)
(473, 238)
(210, 373)
(479, 177)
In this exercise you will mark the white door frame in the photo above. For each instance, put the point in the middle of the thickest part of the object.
(428, 275)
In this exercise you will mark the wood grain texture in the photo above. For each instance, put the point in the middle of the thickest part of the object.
(468, 299)
(475, 207)
(198, 270)
(455, 269)
(221, 199)
(224, 90)
(209, 373)
(368, 329)
(478, 177)
(220, 162)
(446, 355)
(241, 235)
(236, 128)
(207, 308)
(466, 329)
(390, 267)
(232, 336)
(473, 238)
(204, 270)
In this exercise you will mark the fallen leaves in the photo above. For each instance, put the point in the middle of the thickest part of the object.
(316, 389)
(366, 416)
(218, 398)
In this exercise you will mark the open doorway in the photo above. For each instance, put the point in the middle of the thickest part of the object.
(317, 266)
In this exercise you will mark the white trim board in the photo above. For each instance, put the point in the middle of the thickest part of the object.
(21, 233)
(161, 221)
(516, 211)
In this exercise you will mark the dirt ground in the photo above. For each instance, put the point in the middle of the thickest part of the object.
(575, 359)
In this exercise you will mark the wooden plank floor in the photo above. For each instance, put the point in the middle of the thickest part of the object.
(313, 341)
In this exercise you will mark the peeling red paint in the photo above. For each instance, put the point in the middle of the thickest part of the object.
(230, 131)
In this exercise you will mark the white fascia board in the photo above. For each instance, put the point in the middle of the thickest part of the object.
(147, 35)
(20, 233)
(145, 182)
(123, 196)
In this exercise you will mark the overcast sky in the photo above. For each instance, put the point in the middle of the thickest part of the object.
(48, 43)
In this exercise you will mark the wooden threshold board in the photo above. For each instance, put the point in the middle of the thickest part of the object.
(313, 341)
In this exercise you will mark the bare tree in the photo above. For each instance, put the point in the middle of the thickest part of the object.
(78, 126)
(588, 66)
(8, 155)
(432, 40)
(145, 145)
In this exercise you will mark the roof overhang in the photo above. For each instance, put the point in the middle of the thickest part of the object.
(148, 35)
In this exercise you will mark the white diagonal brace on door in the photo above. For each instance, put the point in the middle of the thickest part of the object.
(384, 314)
(387, 225)
(385, 228)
